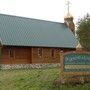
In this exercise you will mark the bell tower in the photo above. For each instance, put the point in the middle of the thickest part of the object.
(68, 19)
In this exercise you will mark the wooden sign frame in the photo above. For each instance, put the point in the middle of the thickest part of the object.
(70, 73)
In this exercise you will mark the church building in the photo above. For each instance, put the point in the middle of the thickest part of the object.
(29, 41)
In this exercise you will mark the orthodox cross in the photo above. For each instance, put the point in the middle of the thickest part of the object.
(68, 6)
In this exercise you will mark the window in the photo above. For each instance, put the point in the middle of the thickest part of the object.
(11, 53)
(52, 53)
(40, 52)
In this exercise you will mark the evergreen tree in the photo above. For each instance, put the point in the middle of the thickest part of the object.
(83, 32)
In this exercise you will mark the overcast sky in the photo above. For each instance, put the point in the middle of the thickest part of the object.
(51, 10)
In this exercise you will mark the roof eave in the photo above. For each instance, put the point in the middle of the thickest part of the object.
(40, 46)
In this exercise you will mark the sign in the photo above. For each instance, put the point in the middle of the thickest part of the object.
(77, 62)
(75, 66)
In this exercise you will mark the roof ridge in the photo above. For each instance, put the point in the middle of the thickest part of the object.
(30, 18)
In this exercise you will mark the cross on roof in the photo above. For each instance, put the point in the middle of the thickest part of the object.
(68, 6)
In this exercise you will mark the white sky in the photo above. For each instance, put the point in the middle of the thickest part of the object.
(52, 10)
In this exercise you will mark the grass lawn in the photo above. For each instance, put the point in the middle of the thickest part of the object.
(34, 79)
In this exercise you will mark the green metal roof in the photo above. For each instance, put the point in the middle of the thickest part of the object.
(20, 31)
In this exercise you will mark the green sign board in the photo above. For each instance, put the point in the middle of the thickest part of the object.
(77, 62)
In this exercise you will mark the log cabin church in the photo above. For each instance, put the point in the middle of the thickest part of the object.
(26, 40)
